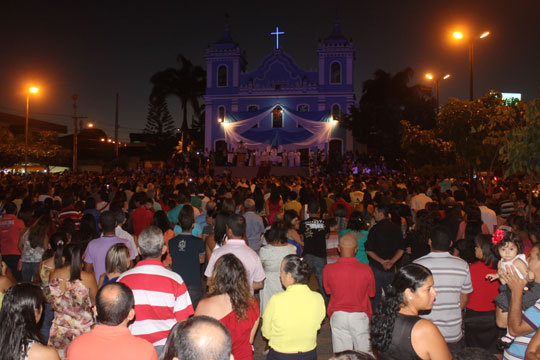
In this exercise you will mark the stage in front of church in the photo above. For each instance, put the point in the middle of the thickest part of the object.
(250, 172)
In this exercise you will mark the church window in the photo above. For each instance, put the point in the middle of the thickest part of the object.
(302, 108)
(222, 76)
(252, 108)
(335, 73)
(277, 117)
(221, 114)
(336, 112)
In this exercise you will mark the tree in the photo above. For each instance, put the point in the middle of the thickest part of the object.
(11, 151)
(472, 132)
(188, 83)
(477, 129)
(45, 149)
(160, 128)
(198, 126)
(521, 151)
(385, 101)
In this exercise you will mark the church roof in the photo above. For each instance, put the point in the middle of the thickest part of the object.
(278, 69)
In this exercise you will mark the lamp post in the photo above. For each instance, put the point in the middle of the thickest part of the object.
(459, 35)
(31, 90)
(437, 80)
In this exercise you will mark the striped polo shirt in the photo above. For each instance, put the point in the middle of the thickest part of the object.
(452, 277)
(161, 300)
(517, 350)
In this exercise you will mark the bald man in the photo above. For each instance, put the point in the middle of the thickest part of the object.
(201, 338)
(110, 339)
(350, 285)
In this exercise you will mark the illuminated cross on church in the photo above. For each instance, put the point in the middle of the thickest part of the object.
(277, 33)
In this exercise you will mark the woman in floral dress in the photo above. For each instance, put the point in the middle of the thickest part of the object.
(72, 293)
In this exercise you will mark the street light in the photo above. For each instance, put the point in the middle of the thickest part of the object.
(437, 80)
(459, 35)
(31, 90)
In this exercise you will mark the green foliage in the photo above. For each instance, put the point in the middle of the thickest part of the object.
(422, 147)
(11, 151)
(160, 129)
(386, 101)
(159, 121)
(467, 134)
(188, 83)
(521, 151)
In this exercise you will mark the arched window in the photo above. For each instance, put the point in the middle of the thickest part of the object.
(277, 117)
(221, 114)
(335, 73)
(222, 75)
(336, 112)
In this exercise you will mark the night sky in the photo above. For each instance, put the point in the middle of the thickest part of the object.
(98, 48)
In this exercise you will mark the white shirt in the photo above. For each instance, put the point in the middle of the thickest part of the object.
(418, 202)
(123, 234)
(489, 218)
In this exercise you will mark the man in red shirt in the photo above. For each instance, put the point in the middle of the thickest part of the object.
(142, 216)
(350, 285)
(11, 229)
(110, 338)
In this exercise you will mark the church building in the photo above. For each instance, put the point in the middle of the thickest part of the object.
(279, 104)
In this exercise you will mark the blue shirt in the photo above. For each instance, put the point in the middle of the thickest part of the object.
(197, 231)
(172, 215)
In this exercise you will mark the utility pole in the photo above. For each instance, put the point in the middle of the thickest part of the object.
(116, 128)
(75, 132)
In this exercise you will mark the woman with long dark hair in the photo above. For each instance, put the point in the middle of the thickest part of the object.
(397, 332)
(19, 331)
(72, 293)
(292, 224)
(480, 326)
(229, 300)
(215, 239)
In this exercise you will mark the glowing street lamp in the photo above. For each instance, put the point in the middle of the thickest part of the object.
(437, 80)
(31, 90)
(90, 125)
(459, 35)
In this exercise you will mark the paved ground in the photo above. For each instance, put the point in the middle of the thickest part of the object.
(324, 339)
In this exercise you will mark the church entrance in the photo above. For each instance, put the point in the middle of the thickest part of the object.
(221, 153)
(334, 152)
(304, 157)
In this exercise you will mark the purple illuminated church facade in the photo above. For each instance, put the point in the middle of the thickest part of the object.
(279, 104)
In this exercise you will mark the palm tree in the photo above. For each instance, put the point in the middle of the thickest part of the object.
(188, 83)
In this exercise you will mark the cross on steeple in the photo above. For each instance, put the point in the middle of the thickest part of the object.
(277, 33)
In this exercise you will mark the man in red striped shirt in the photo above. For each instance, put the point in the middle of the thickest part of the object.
(161, 297)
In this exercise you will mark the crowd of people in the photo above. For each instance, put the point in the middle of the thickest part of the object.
(163, 265)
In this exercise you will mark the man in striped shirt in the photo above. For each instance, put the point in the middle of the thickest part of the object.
(161, 297)
(453, 285)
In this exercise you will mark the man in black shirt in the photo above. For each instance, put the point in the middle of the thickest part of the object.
(384, 246)
(315, 233)
(187, 254)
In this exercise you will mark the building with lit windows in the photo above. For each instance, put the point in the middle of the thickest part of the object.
(278, 104)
